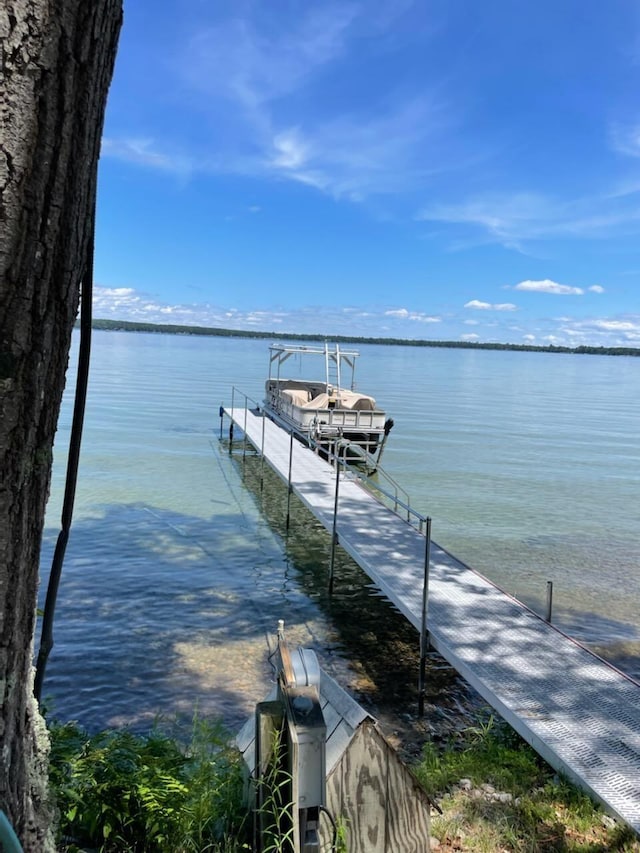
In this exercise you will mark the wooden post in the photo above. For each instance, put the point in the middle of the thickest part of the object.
(549, 600)
(221, 420)
(424, 637)
(334, 533)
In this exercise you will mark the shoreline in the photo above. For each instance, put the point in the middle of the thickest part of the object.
(208, 331)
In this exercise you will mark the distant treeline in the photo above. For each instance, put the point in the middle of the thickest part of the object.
(169, 329)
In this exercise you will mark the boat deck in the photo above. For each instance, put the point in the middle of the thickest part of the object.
(578, 712)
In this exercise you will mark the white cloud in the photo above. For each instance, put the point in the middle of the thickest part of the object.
(488, 306)
(614, 325)
(144, 152)
(603, 331)
(253, 62)
(548, 286)
(507, 219)
(625, 139)
(113, 299)
(480, 306)
(352, 156)
(258, 82)
(357, 155)
(291, 152)
(595, 288)
(515, 220)
(125, 303)
(417, 316)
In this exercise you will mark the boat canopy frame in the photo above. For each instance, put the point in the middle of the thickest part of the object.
(334, 359)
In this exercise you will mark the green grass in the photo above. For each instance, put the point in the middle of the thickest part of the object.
(117, 791)
(543, 813)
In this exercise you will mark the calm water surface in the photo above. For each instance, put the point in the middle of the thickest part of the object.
(528, 464)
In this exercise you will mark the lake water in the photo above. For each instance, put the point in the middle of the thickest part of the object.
(177, 571)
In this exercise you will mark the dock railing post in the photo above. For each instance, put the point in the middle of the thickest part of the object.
(424, 637)
(233, 397)
(549, 600)
(262, 457)
(334, 532)
(289, 486)
(244, 443)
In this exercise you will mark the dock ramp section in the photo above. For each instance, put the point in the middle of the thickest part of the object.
(578, 712)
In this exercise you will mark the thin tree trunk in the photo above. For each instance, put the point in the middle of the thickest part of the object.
(57, 58)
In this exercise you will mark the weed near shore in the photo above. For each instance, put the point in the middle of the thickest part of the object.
(117, 791)
(498, 796)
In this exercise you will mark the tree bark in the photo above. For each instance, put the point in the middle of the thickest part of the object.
(57, 63)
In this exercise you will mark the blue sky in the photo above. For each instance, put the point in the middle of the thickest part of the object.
(439, 169)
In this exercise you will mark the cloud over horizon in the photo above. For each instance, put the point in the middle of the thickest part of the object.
(548, 286)
(125, 303)
(488, 306)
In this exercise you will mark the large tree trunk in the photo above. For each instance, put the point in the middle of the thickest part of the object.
(57, 58)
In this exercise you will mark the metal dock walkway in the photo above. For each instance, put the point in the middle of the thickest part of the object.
(578, 712)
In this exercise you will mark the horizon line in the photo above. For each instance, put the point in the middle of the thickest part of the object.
(216, 331)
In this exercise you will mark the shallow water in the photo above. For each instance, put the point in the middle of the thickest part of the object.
(178, 569)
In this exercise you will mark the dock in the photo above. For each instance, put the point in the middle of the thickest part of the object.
(581, 714)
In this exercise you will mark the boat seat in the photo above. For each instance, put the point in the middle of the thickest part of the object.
(357, 402)
(321, 401)
(364, 404)
(343, 400)
(298, 396)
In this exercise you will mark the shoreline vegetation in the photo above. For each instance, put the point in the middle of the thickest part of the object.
(181, 789)
(171, 329)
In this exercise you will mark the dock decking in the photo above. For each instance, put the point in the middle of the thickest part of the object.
(578, 712)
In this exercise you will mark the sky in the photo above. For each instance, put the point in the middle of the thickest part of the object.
(441, 169)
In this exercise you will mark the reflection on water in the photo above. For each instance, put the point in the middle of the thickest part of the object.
(184, 616)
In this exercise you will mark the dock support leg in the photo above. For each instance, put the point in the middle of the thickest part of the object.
(334, 533)
(221, 420)
(549, 600)
(424, 636)
(233, 403)
(244, 443)
(262, 458)
(289, 486)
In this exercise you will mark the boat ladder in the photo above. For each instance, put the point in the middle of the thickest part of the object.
(332, 367)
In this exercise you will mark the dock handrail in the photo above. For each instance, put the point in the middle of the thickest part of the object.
(413, 517)
(399, 498)
(247, 398)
